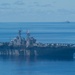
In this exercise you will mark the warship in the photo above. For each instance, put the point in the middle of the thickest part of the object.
(29, 47)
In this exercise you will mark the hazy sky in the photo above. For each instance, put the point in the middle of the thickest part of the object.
(37, 10)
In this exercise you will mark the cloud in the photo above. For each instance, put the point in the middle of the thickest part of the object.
(46, 5)
(5, 6)
(66, 11)
(19, 3)
(36, 3)
(42, 5)
(10, 6)
(54, 2)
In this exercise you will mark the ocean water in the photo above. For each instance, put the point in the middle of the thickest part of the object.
(58, 32)
(44, 32)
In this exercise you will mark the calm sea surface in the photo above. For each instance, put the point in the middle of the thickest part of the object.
(45, 33)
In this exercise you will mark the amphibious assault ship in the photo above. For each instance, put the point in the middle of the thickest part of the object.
(29, 47)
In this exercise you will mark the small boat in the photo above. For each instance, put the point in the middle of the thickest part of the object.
(67, 21)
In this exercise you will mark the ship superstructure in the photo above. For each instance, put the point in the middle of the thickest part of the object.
(19, 40)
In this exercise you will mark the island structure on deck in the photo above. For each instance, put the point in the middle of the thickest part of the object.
(28, 46)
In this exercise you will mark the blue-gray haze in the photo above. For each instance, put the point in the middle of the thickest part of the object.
(42, 14)
(37, 11)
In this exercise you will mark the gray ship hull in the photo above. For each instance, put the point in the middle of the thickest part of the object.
(39, 52)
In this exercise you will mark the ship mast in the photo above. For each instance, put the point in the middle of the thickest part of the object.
(28, 38)
(19, 34)
(28, 34)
